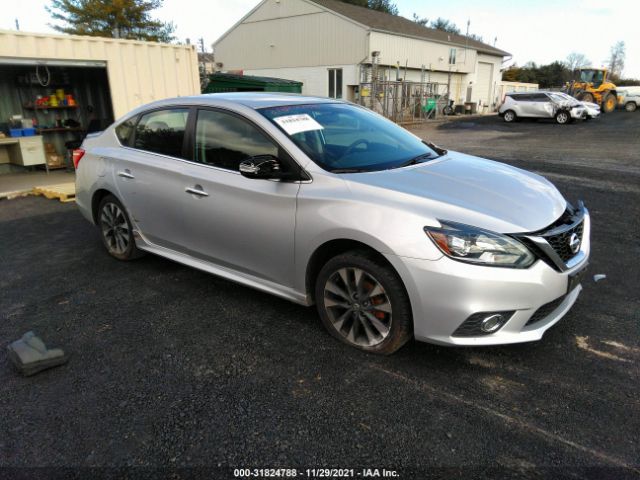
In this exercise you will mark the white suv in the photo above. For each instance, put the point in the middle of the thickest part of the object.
(540, 105)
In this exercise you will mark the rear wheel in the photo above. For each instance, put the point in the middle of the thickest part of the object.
(630, 107)
(563, 117)
(363, 303)
(609, 103)
(116, 230)
(509, 116)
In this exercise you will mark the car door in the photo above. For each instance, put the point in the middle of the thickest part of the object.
(149, 175)
(541, 105)
(237, 222)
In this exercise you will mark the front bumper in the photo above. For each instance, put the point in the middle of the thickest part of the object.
(444, 293)
(578, 113)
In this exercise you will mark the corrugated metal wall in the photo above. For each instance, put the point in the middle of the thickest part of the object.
(138, 72)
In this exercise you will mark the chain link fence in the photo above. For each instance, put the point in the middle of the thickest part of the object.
(404, 102)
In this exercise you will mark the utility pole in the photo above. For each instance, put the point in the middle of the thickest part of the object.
(17, 25)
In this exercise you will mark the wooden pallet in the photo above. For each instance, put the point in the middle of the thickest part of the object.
(65, 192)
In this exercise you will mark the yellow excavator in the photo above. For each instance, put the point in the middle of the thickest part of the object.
(592, 85)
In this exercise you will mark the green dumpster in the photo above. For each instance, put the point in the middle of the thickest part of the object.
(230, 82)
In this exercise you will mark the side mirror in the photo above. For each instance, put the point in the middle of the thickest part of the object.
(261, 166)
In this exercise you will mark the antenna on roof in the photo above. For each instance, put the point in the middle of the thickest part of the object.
(495, 40)
(468, 23)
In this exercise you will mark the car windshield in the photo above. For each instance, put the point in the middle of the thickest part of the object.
(344, 138)
(563, 98)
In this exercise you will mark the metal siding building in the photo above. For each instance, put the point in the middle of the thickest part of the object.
(138, 72)
(304, 40)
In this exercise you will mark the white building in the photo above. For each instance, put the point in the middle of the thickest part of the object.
(325, 44)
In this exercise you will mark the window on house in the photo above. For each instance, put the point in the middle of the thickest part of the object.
(452, 56)
(335, 82)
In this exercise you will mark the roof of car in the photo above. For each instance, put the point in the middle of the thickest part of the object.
(249, 99)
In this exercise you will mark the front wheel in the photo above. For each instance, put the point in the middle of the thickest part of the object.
(563, 117)
(509, 116)
(609, 103)
(116, 230)
(362, 302)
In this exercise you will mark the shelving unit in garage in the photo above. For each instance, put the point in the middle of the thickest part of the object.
(51, 104)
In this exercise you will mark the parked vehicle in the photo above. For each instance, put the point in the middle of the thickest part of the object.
(592, 110)
(540, 105)
(629, 98)
(320, 201)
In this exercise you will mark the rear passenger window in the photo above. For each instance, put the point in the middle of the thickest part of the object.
(124, 131)
(539, 97)
(224, 140)
(162, 131)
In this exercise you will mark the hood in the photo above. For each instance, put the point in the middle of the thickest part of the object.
(469, 190)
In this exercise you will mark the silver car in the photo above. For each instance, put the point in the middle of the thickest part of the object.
(323, 202)
(541, 105)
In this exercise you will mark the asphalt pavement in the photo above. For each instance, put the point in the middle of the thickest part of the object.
(178, 370)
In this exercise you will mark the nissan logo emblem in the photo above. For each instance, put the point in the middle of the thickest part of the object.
(574, 243)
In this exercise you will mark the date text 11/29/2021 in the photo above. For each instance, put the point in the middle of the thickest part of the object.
(315, 473)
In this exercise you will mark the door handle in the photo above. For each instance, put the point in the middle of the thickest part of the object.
(197, 190)
(125, 174)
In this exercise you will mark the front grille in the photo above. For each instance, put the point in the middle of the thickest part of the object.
(544, 311)
(560, 242)
(558, 236)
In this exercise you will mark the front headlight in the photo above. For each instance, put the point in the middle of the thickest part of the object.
(482, 247)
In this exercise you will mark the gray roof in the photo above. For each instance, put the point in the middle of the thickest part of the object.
(253, 100)
(396, 24)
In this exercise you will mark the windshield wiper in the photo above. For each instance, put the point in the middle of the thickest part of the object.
(416, 160)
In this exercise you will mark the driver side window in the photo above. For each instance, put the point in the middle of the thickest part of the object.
(224, 140)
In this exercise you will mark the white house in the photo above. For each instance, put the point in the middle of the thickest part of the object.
(325, 44)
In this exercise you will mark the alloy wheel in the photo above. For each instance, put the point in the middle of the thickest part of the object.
(358, 306)
(115, 228)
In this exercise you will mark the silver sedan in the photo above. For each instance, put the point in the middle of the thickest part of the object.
(323, 202)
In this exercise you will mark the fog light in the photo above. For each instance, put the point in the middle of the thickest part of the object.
(492, 323)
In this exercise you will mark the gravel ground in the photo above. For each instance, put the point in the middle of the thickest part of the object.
(175, 369)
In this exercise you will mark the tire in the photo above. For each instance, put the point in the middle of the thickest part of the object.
(563, 117)
(609, 103)
(509, 116)
(447, 110)
(380, 323)
(116, 230)
(630, 107)
(585, 97)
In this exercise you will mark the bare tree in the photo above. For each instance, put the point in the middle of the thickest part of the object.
(616, 59)
(576, 60)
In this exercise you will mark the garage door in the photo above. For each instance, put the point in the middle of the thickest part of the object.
(484, 82)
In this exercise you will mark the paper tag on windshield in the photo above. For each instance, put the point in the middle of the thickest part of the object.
(293, 124)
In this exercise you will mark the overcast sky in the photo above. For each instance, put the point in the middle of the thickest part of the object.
(540, 30)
